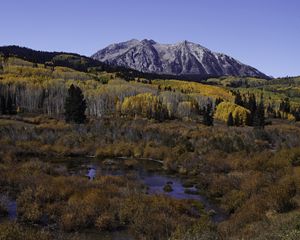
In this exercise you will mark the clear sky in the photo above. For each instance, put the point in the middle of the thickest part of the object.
(262, 33)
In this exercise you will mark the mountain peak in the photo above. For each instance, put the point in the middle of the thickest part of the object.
(148, 41)
(184, 42)
(183, 58)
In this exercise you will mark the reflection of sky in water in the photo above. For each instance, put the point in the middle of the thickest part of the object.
(91, 173)
(11, 207)
(154, 180)
(157, 182)
(12, 210)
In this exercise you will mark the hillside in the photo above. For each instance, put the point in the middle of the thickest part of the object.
(82, 63)
(102, 88)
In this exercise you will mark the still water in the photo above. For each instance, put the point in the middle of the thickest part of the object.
(149, 173)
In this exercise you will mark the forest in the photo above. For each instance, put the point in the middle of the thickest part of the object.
(234, 141)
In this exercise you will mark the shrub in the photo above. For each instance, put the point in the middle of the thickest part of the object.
(13, 231)
(28, 208)
(233, 200)
(168, 188)
(281, 195)
(105, 222)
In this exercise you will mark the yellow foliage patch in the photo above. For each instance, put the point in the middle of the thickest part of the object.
(144, 104)
(225, 108)
(194, 87)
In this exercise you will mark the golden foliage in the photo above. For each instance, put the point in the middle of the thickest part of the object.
(144, 104)
(225, 108)
(193, 87)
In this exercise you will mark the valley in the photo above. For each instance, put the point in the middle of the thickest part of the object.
(152, 158)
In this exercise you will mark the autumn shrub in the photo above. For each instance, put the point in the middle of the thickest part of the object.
(219, 185)
(130, 163)
(203, 229)
(253, 182)
(28, 208)
(281, 194)
(153, 217)
(105, 222)
(233, 200)
(35, 166)
(117, 149)
(152, 150)
(227, 143)
(123, 149)
(138, 150)
(170, 164)
(251, 211)
(14, 231)
(105, 151)
(82, 209)
(293, 156)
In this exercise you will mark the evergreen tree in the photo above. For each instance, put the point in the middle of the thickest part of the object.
(75, 105)
(218, 101)
(1, 68)
(2, 105)
(10, 105)
(252, 106)
(285, 106)
(270, 110)
(296, 113)
(208, 119)
(237, 120)
(259, 116)
(230, 121)
(245, 101)
(238, 99)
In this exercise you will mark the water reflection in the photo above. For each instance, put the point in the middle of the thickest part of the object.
(91, 173)
(150, 174)
(11, 207)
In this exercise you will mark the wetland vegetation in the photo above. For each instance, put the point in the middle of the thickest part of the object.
(151, 159)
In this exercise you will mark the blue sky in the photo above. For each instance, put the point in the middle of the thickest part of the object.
(262, 33)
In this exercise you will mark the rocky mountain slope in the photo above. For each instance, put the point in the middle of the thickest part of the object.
(184, 58)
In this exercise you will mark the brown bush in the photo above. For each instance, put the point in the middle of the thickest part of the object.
(105, 222)
(281, 194)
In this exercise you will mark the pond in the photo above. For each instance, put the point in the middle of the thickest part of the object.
(150, 173)
(11, 207)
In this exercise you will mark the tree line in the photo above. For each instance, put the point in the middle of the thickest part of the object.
(257, 110)
(161, 104)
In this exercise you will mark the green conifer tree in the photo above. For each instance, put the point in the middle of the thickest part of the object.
(237, 120)
(75, 105)
(208, 118)
(230, 121)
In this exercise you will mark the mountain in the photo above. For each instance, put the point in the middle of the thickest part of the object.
(184, 58)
